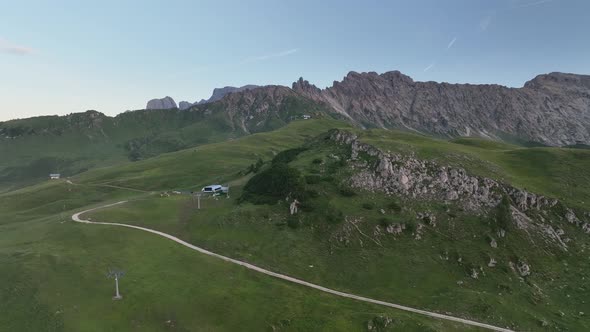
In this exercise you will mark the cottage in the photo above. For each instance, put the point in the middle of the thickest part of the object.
(54, 176)
(306, 117)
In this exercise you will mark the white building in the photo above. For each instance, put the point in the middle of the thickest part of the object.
(54, 176)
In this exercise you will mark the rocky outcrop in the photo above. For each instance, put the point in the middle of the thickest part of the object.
(553, 109)
(410, 177)
(161, 104)
(184, 105)
(219, 93)
(260, 109)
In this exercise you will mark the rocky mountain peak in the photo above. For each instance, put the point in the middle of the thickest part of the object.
(553, 109)
(183, 105)
(559, 80)
(161, 104)
(219, 93)
(303, 86)
(397, 76)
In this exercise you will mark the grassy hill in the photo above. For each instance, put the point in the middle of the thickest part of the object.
(33, 148)
(54, 279)
(59, 266)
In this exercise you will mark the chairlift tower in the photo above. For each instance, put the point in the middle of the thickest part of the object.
(116, 274)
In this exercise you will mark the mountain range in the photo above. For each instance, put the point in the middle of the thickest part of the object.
(218, 93)
(551, 109)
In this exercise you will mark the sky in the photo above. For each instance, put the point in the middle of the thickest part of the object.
(61, 57)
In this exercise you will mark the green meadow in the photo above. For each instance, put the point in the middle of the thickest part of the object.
(54, 270)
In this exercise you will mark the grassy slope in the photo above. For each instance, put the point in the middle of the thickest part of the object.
(81, 141)
(53, 279)
(258, 234)
(220, 162)
(53, 274)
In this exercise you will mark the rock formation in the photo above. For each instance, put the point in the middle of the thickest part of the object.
(410, 177)
(552, 109)
(183, 105)
(161, 104)
(219, 93)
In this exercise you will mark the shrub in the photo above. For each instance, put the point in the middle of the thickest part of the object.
(256, 167)
(347, 191)
(287, 156)
(368, 206)
(313, 179)
(317, 161)
(384, 222)
(293, 222)
(394, 205)
(273, 184)
(503, 215)
(333, 215)
(410, 226)
(328, 178)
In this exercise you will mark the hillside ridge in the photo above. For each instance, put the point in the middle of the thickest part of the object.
(553, 109)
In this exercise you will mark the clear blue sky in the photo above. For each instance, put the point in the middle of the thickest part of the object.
(59, 57)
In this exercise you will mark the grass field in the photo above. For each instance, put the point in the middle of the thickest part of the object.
(54, 279)
(60, 266)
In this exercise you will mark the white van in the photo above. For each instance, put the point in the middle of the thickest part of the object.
(215, 189)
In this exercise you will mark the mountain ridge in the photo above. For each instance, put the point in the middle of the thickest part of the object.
(553, 109)
(218, 93)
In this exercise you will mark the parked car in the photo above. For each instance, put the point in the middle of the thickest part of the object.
(215, 189)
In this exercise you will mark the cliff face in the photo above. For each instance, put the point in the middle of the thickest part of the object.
(264, 108)
(161, 104)
(219, 93)
(553, 109)
(417, 179)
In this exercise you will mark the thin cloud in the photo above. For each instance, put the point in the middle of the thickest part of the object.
(531, 4)
(273, 55)
(451, 43)
(485, 22)
(10, 48)
(430, 66)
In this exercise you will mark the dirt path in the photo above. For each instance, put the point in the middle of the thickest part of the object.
(76, 217)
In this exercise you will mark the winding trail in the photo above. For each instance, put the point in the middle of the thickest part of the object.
(76, 218)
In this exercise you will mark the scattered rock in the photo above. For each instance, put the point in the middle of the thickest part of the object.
(492, 262)
(523, 269)
(379, 323)
(571, 217)
(294, 207)
(427, 217)
(394, 229)
(493, 243)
